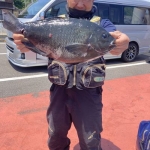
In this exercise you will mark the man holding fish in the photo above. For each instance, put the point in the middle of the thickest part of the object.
(76, 91)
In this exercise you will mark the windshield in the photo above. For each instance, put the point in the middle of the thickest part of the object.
(33, 9)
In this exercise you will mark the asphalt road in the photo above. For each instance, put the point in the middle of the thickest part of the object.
(12, 85)
(24, 98)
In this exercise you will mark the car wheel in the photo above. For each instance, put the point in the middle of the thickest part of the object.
(131, 53)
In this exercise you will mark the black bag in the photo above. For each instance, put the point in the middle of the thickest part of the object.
(82, 75)
(92, 76)
(143, 136)
(58, 72)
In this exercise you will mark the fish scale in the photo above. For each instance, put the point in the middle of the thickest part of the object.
(68, 40)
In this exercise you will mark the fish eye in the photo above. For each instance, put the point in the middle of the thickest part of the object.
(104, 35)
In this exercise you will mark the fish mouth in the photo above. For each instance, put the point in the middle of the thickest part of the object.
(112, 44)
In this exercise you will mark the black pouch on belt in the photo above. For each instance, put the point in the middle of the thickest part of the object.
(58, 72)
(82, 75)
(91, 74)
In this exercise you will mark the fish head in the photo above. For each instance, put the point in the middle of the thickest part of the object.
(102, 41)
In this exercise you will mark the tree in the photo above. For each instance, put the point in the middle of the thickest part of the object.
(22, 3)
(19, 3)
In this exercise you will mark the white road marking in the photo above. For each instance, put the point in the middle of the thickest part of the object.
(127, 65)
(45, 74)
(23, 77)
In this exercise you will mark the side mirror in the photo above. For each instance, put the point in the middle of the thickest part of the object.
(42, 15)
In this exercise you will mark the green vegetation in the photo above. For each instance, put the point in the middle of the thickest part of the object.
(128, 11)
(22, 3)
(19, 4)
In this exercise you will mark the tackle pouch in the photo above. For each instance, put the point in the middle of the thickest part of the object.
(58, 72)
(93, 76)
(143, 136)
(90, 75)
(82, 75)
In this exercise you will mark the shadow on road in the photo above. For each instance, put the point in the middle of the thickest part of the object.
(106, 145)
(37, 69)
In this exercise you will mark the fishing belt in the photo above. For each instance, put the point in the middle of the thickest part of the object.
(82, 75)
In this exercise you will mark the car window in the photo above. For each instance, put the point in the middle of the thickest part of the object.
(104, 11)
(136, 15)
(33, 9)
(115, 14)
(56, 10)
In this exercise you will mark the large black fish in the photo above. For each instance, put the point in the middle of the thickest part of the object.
(68, 40)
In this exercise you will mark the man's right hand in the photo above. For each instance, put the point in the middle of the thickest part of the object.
(17, 40)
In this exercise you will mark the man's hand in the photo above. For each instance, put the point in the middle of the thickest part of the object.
(17, 40)
(122, 42)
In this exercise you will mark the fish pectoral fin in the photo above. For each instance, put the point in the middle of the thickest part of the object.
(77, 49)
(31, 47)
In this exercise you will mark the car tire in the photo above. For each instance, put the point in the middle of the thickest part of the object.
(131, 53)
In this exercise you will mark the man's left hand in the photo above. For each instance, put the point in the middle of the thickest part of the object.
(122, 42)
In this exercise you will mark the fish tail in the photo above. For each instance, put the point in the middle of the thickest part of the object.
(11, 23)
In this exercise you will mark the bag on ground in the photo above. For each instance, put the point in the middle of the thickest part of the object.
(143, 137)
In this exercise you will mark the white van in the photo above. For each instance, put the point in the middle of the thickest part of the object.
(130, 17)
